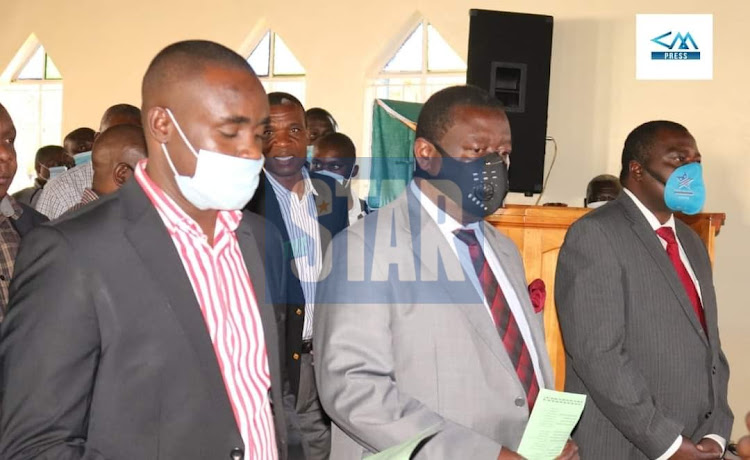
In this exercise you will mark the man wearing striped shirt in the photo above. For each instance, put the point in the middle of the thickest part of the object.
(308, 209)
(144, 327)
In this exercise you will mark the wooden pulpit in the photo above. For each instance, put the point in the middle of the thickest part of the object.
(539, 231)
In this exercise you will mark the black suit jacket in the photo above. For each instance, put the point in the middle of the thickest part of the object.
(29, 219)
(333, 217)
(105, 352)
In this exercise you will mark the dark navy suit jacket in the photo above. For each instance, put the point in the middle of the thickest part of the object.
(333, 217)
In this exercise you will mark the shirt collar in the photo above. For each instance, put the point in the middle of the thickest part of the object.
(650, 217)
(10, 208)
(444, 221)
(174, 218)
(278, 188)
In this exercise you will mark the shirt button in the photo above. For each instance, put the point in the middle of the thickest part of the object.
(236, 454)
(295, 356)
(299, 312)
(520, 401)
(2, 277)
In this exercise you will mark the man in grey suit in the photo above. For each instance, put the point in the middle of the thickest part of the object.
(638, 314)
(423, 320)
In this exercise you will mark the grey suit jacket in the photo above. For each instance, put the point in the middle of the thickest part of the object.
(404, 343)
(633, 341)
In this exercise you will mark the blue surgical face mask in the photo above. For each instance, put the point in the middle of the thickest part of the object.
(684, 190)
(310, 150)
(220, 182)
(82, 158)
(56, 171)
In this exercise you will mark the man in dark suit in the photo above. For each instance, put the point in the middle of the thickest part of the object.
(308, 209)
(142, 326)
(638, 314)
(16, 219)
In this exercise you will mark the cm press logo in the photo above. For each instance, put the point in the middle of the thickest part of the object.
(677, 47)
(674, 46)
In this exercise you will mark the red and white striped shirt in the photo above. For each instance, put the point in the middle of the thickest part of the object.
(227, 300)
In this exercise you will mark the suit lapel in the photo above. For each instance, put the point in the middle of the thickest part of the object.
(146, 232)
(650, 240)
(423, 226)
(703, 275)
(518, 281)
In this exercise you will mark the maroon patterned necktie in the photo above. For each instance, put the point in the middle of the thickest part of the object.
(673, 251)
(503, 317)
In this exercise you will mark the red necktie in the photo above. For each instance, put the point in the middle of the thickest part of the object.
(503, 317)
(673, 251)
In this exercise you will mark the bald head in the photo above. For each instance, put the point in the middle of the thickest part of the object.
(120, 114)
(115, 155)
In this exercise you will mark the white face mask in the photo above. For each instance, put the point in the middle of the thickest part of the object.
(338, 177)
(221, 181)
(596, 204)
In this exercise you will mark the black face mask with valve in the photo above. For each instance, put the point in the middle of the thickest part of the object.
(478, 186)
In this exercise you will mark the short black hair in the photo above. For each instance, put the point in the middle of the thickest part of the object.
(280, 98)
(640, 140)
(119, 111)
(339, 142)
(322, 114)
(82, 134)
(48, 152)
(437, 115)
(184, 58)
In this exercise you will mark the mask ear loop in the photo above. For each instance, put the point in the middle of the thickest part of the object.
(179, 131)
(184, 139)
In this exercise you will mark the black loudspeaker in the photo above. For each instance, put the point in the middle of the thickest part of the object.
(509, 55)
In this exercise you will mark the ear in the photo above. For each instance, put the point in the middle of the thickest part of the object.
(121, 174)
(635, 170)
(427, 156)
(355, 171)
(159, 124)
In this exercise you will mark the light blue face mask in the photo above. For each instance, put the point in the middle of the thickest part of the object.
(81, 158)
(685, 190)
(310, 149)
(56, 171)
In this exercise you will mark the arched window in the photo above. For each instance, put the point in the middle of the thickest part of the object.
(31, 90)
(423, 64)
(277, 67)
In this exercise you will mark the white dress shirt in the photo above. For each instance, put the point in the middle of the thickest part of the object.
(447, 226)
(655, 225)
(301, 222)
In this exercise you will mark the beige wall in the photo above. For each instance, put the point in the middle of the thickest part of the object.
(102, 48)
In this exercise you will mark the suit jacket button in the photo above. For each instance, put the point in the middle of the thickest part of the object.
(299, 312)
(237, 454)
(520, 402)
(295, 356)
(713, 370)
(708, 414)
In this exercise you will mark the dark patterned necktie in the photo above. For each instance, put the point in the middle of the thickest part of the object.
(673, 251)
(503, 317)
